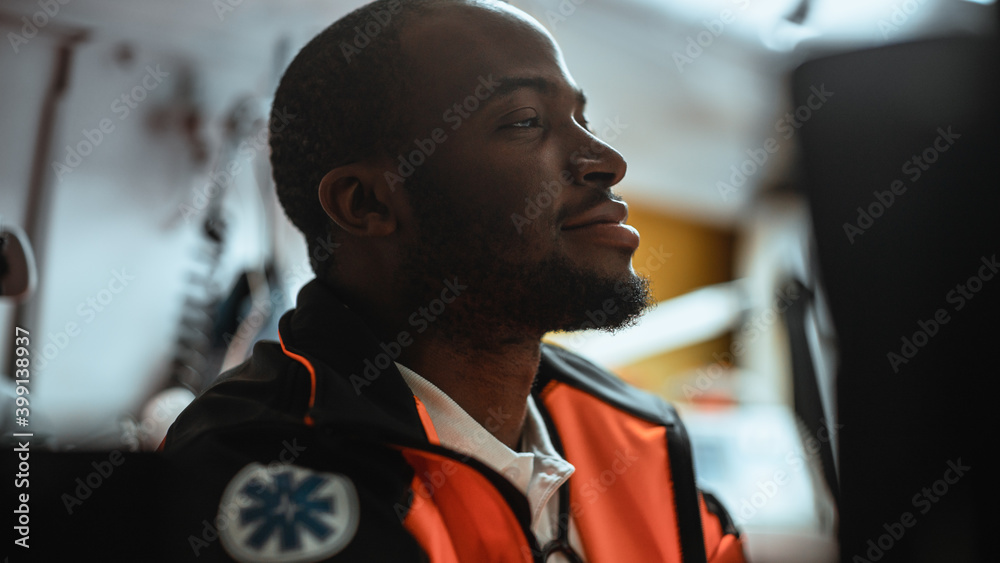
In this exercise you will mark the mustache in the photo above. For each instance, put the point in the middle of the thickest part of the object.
(590, 201)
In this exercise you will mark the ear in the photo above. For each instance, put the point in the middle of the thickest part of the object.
(356, 197)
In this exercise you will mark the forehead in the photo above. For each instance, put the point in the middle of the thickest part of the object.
(449, 50)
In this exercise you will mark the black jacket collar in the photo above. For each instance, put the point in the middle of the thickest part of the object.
(338, 343)
(323, 328)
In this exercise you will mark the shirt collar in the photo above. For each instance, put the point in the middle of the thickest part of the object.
(537, 471)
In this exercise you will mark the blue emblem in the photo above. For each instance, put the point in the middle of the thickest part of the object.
(287, 513)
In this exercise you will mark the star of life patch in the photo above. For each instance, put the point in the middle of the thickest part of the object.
(287, 513)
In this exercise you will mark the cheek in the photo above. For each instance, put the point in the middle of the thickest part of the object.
(512, 195)
(493, 191)
(530, 217)
(522, 187)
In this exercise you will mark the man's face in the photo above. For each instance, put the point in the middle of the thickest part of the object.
(515, 198)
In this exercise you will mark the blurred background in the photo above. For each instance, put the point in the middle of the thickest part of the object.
(814, 182)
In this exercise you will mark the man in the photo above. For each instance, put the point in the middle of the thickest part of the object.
(410, 411)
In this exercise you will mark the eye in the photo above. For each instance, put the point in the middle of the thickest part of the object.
(582, 120)
(524, 118)
(525, 123)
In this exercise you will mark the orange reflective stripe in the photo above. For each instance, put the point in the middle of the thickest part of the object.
(425, 523)
(312, 377)
(730, 550)
(711, 527)
(720, 547)
(458, 515)
(621, 493)
(425, 419)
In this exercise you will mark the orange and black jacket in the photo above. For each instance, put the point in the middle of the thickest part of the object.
(307, 401)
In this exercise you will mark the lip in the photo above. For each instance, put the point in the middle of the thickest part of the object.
(604, 224)
(607, 212)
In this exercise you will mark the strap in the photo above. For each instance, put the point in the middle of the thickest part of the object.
(561, 543)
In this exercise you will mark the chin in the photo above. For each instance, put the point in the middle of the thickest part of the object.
(607, 301)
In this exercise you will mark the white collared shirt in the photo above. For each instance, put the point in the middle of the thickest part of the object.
(537, 471)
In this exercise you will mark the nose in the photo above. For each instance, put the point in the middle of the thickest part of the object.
(597, 164)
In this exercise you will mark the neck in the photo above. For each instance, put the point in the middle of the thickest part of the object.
(488, 375)
(491, 385)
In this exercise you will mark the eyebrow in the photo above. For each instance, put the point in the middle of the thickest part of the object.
(511, 84)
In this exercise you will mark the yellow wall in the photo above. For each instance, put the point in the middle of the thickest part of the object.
(700, 255)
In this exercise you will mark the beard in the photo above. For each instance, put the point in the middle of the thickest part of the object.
(508, 298)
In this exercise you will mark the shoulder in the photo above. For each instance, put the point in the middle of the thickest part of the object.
(246, 458)
(267, 388)
(565, 367)
(239, 484)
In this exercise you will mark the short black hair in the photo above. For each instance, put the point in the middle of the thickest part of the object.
(343, 98)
